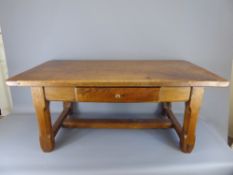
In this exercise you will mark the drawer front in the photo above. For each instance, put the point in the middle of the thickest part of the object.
(117, 95)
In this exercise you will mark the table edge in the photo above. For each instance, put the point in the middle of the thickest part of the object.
(71, 83)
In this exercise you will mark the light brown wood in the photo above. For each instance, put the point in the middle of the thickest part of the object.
(117, 73)
(118, 95)
(117, 81)
(168, 110)
(117, 123)
(44, 120)
(174, 94)
(66, 111)
(60, 93)
(192, 108)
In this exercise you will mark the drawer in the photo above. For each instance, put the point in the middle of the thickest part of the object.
(118, 95)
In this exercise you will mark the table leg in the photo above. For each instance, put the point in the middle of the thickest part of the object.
(192, 108)
(69, 105)
(44, 120)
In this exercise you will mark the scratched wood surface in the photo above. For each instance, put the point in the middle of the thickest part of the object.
(117, 73)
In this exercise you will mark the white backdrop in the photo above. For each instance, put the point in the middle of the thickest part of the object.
(5, 98)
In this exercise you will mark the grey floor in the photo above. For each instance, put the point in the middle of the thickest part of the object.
(109, 151)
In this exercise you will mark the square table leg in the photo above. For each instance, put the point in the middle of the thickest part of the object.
(41, 105)
(47, 131)
(192, 108)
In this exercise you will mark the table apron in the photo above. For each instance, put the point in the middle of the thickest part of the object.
(117, 95)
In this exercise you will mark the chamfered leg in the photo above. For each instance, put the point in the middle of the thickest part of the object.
(192, 108)
(41, 105)
(69, 105)
(163, 108)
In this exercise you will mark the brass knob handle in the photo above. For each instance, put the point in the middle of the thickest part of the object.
(118, 96)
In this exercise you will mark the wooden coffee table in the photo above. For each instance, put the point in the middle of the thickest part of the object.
(117, 82)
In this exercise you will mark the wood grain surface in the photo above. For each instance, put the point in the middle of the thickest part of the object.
(117, 74)
(117, 95)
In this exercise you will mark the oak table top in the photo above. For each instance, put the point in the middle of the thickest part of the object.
(121, 73)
